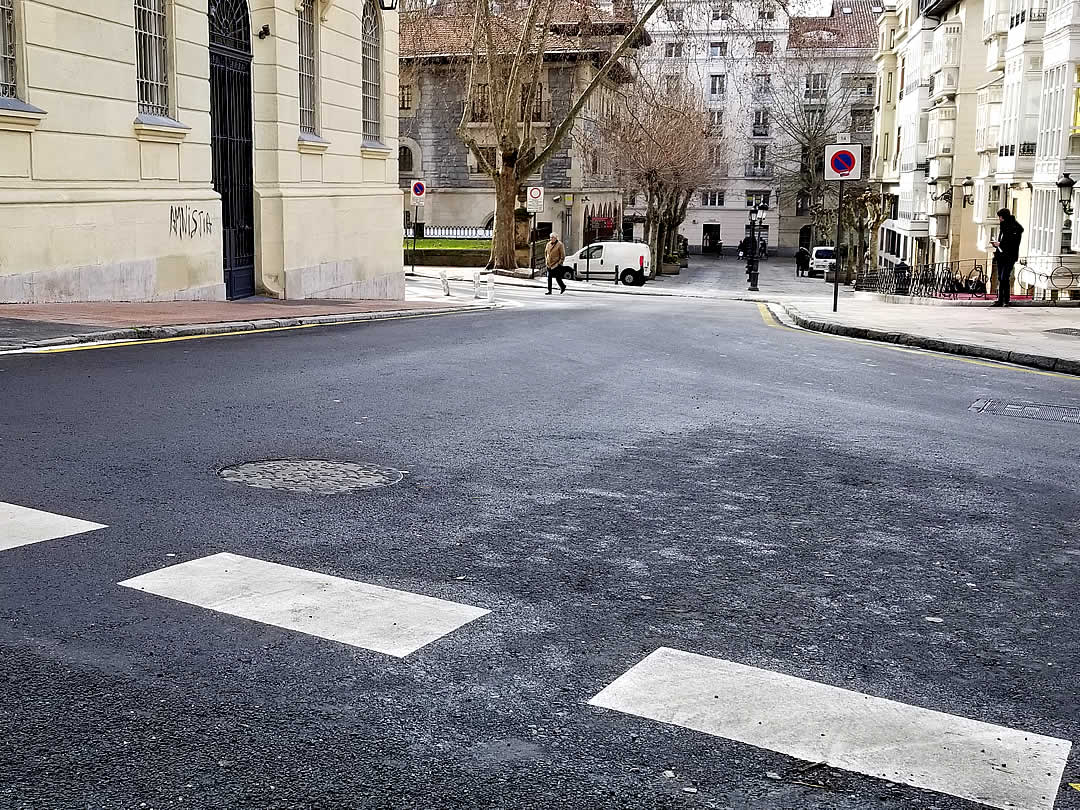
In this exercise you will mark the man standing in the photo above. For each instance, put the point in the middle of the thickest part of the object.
(1006, 251)
(554, 256)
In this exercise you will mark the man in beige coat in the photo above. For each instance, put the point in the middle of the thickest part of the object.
(554, 256)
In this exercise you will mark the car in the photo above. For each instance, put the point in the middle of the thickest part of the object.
(629, 262)
(822, 260)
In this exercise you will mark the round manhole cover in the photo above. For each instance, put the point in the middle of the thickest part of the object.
(311, 476)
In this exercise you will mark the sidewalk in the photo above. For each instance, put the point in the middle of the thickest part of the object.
(1042, 337)
(28, 326)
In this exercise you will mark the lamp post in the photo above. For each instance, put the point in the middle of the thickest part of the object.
(1065, 189)
(968, 186)
(755, 217)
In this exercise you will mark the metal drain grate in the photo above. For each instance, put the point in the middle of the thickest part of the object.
(311, 476)
(1028, 410)
(1065, 331)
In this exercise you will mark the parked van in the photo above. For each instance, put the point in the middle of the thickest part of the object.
(822, 260)
(631, 262)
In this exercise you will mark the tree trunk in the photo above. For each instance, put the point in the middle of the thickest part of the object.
(503, 253)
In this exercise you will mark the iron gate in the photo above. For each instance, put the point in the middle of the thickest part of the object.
(231, 140)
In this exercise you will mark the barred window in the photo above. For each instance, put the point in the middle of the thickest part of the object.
(7, 49)
(372, 71)
(405, 93)
(308, 81)
(152, 56)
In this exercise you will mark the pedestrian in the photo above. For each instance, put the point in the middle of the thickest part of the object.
(802, 262)
(744, 247)
(554, 256)
(1006, 252)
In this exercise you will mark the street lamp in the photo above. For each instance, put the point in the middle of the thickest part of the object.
(755, 217)
(1065, 188)
(969, 186)
(946, 195)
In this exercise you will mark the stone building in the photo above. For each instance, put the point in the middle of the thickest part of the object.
(582, 200)
(198, 149)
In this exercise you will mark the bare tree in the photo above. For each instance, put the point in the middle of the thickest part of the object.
(501, 53)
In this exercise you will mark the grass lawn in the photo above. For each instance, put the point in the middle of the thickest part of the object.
(449, 244)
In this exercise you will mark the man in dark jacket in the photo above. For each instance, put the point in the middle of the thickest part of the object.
(1006, 252)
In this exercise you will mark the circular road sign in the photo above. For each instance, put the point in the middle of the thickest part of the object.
(843, 162)
(536, 193)
(418, 188)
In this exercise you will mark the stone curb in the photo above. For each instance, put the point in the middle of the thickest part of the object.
(1039, 361)
(227, 327)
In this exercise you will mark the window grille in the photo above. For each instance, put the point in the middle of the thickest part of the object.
(405, 100)
(308, 75)
(7, 49)
(372, 71)
(151, 56)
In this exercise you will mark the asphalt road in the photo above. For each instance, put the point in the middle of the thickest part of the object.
(606, 475)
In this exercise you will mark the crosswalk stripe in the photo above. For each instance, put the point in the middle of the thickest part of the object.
(380, 619)
(989, 764)
(21, 526)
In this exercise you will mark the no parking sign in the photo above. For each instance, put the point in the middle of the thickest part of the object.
(419, 190)
(843, 161)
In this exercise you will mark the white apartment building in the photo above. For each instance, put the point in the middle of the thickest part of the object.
(977, 111)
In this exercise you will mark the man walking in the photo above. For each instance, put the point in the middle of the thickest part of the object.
(554, 256)
(1006, 252)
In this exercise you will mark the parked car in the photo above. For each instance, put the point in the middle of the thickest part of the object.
(822, 259)
(630, 262)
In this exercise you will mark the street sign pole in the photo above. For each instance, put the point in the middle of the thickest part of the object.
(836, 250)
(416, 213)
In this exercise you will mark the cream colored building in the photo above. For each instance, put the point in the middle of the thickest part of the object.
(198, 149)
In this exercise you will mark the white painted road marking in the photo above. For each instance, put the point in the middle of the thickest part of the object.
(989, 764)
(21, 526)
(380, 619)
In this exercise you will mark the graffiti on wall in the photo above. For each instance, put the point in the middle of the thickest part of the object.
(189, 223)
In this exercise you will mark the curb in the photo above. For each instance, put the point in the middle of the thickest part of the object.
(1039, 361)
(228, 327)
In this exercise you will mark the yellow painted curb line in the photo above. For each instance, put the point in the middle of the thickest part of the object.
(770, 320)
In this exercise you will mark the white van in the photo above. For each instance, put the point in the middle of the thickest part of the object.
(630, 262)
(822, 260)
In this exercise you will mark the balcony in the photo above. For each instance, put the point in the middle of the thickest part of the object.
(760, 130)
(995, 25)
(943, 83)
(913, 157)
(938, 226)
(757, 170)
(987, 139)
(1027, 25)
(940, 146)
(941, 168)
(1015, 161)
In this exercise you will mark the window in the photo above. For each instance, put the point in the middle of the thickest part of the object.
(862, 121)
(888, 88)
(712, 199)
(716, 121)
(372, 71)
(756, 198)
(595, 161)
(816, 83)
(673, 50)
(761, 123)
(717, 50)
(672, 84)
(760, 157)
(405, 94)
(309, 83)
(862, 85)
(491, 155)
(405, 160)
(815, 118)
(717, 84)
(763, 47)
(716, 155)
(762, 82)
(480, 97)
(766, 12)
(8, 88)
(151, 56)
(675, 14)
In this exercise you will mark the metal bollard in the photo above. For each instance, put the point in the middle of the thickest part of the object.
(476, 284)
(491, 288)
(445, 282)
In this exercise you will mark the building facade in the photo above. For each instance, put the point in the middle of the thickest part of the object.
(198, 149)
(978, 113)
(770, 78)
(582, 201)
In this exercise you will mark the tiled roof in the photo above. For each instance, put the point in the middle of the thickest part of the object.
(445, 29)
(852, 24)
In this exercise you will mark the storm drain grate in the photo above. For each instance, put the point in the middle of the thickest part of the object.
(313, 476)
(1028, 410)
(1065, 330)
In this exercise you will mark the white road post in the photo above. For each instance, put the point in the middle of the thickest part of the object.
(476, 284)
(491, 288)
(445, 282)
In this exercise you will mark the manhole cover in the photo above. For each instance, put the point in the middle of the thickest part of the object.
(1028, 410)
(312, 476)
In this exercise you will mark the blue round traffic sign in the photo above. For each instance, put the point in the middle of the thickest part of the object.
(418, 188)
(842, 162)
